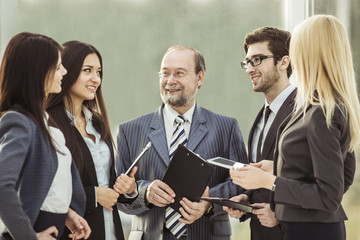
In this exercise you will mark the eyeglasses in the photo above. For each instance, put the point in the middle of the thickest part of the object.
(255, 61)
(177, 75)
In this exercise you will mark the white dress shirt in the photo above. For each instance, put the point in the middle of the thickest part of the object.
(101, 156)
(59, 196)
(170, 125)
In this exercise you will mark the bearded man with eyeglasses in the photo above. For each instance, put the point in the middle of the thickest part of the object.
(267, 63)
(204, 132)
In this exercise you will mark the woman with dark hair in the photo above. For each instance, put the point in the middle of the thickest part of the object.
(80, 112)
(40, 188)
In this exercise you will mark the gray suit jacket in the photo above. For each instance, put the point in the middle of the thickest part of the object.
(211, 135)
(28, 166)
(314, 167)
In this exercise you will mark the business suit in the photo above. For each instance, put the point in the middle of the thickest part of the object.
(211, 135)
(94, 212)
(259, 232)
(28, 166)
(314, 168)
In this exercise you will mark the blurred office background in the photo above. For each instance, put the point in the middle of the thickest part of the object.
(132, 36)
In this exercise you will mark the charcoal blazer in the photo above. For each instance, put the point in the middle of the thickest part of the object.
(211, 135)
(259, 232)
(28, 166)
(94, 214)
(313, 166)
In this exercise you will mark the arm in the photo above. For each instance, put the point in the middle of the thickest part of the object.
(325, 155)
(123, 162)
(14, 143)
(237, 152)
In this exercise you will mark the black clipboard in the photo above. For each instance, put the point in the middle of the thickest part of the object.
(187, 175)
(229, 203)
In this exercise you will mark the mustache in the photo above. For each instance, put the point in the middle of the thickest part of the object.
(168, 87)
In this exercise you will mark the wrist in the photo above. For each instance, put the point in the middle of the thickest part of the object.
(270, 182)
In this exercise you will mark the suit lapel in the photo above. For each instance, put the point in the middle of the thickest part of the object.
(198, 129)
(157, 136)
(251, 135)
(284, 111)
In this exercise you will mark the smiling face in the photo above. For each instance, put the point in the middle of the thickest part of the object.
(179, 86)
(264, 76)
(88, 81)
(53, 82)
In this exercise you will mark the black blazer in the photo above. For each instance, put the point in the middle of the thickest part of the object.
(262, 195)
(313, 166)
(93, 215)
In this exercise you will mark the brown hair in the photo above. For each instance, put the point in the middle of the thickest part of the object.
(278, 42)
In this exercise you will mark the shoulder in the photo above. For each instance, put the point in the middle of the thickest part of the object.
(210, 115)
(12, 119)
(144, 120)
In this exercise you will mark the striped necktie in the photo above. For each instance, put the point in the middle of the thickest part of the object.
(172, 223)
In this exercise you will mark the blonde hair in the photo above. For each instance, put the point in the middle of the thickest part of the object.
(321, 57)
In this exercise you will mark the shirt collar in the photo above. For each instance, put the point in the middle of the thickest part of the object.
(88, 115)
(279, 100)
(171, 114)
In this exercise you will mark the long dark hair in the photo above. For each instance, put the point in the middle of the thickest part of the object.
(29, 61)
(73, 57)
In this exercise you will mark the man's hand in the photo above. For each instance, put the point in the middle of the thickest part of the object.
(126, 184)
(192, 211)
(265, 215)
(46, 234)
(235, 213)
(159, 194)
(106, 197)
(77, 225)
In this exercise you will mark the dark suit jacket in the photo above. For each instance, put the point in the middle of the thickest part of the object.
(28, 166)
(93, 215)
(211, 135)
(315, 167)
(259, 232)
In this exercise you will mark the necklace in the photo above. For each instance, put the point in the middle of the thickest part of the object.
(79, 123)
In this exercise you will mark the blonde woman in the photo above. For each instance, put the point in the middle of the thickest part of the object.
(315, 162)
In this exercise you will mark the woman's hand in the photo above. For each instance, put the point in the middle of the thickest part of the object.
(106, 197)
(46, 234)
(250, 177)
(77, 225)
(126, 184)
(266, 165)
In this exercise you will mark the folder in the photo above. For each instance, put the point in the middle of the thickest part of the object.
(187, 175)
(229, 203)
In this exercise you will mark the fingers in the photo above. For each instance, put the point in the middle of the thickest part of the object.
(125, 184)
(258, 164)
(191, 211)
(234, 212)
(106, 197)
(132, 173)
(159, 194)
(82, 230)
(243, 198)
(47, 234)
(206, 192)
